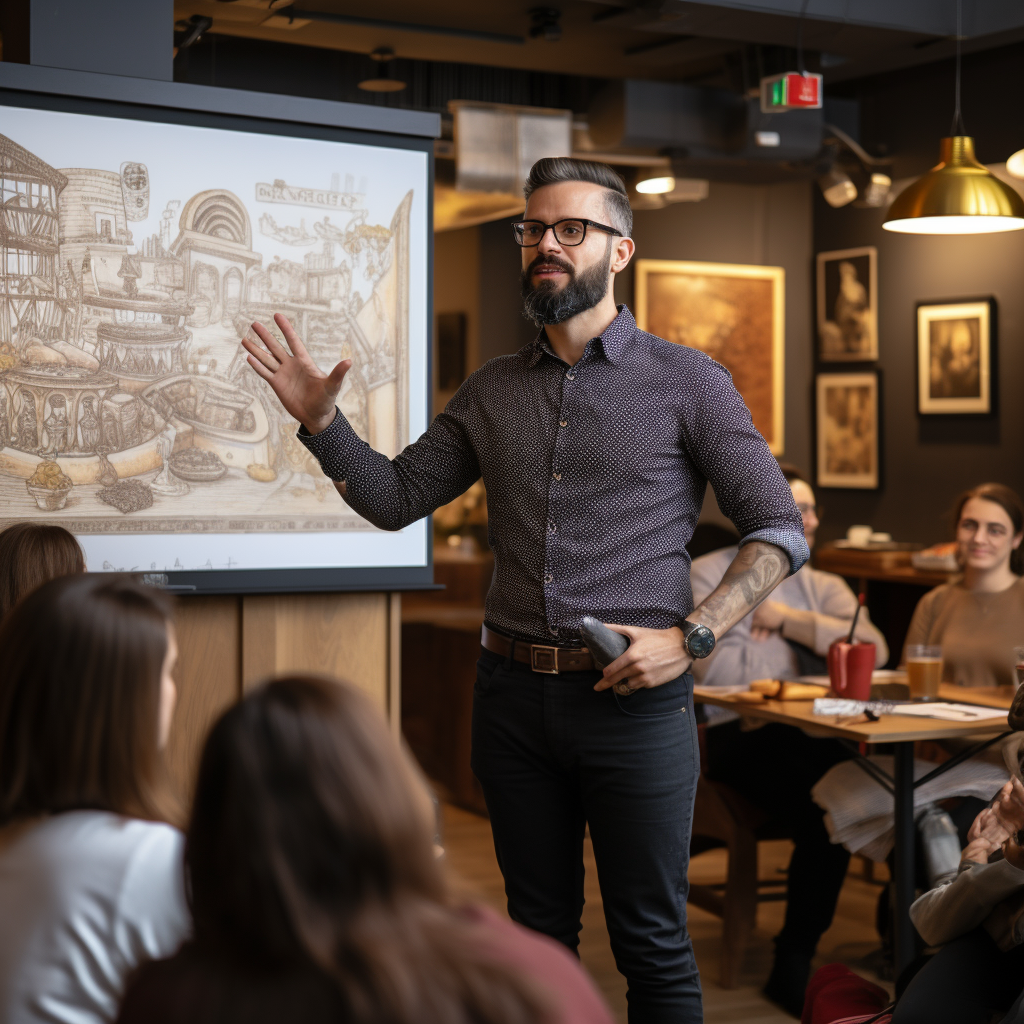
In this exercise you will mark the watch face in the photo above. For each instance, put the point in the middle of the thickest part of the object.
(700, 642)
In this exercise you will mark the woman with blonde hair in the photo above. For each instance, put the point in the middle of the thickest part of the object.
(91, 876)
(317, 896)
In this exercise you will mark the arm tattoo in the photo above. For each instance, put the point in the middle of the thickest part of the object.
(755, 572)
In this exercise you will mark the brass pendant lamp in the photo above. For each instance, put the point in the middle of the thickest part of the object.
(959, 196)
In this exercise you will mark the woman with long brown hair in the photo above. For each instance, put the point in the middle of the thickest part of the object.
(91, 878)
(31, 554)
(979, 618)
(316, 894)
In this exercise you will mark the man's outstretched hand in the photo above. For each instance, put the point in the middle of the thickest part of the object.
(307, 394)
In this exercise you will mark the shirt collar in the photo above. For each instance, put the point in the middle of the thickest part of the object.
(614, 341)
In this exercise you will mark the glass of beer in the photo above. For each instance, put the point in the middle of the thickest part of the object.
(1018, 662)
(924, 669)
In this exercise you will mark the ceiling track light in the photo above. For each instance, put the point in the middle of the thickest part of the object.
(384, 80)
(958, 196)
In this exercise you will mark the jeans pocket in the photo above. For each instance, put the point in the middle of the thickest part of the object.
(670, 698)
(488, 667)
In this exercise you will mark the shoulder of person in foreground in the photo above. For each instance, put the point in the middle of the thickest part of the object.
(545, 962)
(198, 987)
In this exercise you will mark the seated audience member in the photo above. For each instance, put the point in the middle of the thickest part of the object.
(979, 618)
(31, 554)
(316, 894)
(91, 879)
(775, 766)
(977, 976)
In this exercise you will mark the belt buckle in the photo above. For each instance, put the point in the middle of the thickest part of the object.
(541, 655)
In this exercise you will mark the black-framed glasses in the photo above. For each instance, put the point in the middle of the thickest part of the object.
(570, 231)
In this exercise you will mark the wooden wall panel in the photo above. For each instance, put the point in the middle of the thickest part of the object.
(209, 678)
(227, 645)
(345, 635)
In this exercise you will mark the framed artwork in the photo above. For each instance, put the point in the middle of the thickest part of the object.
(847, 301)
(848, 430)
(955, 357)
(734, 313)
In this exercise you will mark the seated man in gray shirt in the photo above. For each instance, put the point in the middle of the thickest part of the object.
(775, 766)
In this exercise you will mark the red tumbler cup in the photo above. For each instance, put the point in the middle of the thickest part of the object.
(849, 669)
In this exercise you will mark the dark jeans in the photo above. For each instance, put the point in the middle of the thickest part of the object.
(553, 756)
(966, 982)
(775, 767)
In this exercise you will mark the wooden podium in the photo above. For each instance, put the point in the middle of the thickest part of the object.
(229, 644)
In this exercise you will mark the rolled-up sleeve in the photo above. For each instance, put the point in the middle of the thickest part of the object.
(748, 484)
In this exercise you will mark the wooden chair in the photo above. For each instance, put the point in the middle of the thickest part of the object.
(721, 817)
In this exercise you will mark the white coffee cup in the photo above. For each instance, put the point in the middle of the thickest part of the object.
(859, 536)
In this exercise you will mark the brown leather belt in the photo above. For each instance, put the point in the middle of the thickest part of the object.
(540, 657)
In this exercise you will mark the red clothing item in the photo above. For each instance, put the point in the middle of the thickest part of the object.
(548, 964)
(197, 987)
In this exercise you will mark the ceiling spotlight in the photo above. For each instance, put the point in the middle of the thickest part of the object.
(383, 81)
(545, 23)
(656, 186)
(837, 187)
(1015, 165)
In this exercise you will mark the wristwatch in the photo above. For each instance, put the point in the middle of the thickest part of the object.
(698, 640)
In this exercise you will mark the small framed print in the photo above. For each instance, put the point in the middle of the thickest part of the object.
(955, 357)
(848, 429)
(847, 301)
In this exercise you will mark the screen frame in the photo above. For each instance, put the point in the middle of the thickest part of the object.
(140, 99)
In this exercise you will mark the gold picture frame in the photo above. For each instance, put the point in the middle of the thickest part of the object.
(847, 305)
(736, 314)
(848, 430)
(954, 358)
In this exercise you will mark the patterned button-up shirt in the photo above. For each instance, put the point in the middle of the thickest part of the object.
(595, 477)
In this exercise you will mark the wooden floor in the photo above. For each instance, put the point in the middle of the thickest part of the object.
(470, 856)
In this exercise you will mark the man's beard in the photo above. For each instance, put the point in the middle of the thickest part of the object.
(547, 304)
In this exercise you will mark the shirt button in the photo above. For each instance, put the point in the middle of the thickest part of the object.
(547, 578)
(570, 375)
(563, 423)
(553, 630)
(557, 476)
(552, 528)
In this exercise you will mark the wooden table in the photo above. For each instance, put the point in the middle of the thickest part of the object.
(902, 732)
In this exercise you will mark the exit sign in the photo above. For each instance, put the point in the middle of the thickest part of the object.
(790, 91)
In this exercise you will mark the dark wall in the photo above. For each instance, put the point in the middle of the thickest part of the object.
(503, 328)
(928, 460)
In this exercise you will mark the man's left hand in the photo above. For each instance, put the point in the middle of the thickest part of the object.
(654, 656)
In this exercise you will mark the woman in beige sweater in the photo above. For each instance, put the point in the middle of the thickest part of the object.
(979, 618)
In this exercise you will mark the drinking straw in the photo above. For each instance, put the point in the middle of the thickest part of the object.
(853, 625)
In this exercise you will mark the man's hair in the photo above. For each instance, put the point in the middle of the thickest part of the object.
(552, 170)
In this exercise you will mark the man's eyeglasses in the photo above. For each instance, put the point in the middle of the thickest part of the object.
(567, 232)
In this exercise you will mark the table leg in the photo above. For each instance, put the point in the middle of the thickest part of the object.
(903, 778)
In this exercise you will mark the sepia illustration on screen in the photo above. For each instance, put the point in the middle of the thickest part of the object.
(132, 262)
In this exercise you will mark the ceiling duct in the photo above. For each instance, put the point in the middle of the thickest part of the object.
(495, 146)
(707, 133)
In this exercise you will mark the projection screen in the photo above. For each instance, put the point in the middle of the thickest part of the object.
(137, 247)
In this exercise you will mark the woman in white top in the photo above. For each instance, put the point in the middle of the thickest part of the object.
(91, 876)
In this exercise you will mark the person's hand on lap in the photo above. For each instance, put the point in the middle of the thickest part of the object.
(996, 824)
(768, 618)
